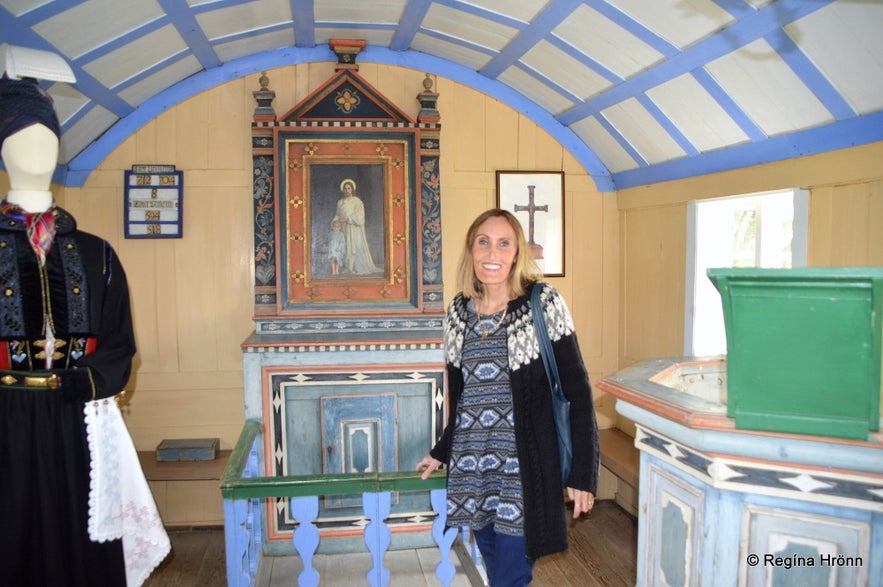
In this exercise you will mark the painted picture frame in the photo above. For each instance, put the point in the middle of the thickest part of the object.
(536, 198)
(348, 218)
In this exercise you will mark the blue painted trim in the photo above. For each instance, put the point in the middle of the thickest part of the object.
(554, 86)
(740, 34)
(128, 37)
(535, 32)
(595, 66)
(33, 16)
(666, 123)
(735, 112)
(88, 85)
(409, 24)
(474, 10)
(155, 68)
(839, 135)
(634, 27)
(458, 42)
(304, 23)
(799, 451)
(184, 20)
(100, 95)
(621, 141)
(217, 4)
(82, 165)
(238, 36)
(810, 75)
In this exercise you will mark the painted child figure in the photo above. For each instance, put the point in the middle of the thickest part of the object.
(336, 247)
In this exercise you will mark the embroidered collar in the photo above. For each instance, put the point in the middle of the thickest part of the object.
(12, 218)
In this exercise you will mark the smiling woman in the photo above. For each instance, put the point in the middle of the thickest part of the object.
(500, 445)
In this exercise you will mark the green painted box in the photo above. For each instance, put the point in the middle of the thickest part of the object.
(803, 348)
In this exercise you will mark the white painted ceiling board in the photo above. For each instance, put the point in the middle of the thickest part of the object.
(535, 90)
(845, 41)
(768, 90)
(694, 21)
(643, 132)
(468, 27)
(602, 143)
(704, 123)
(115, 67)
(564, 70)
(608, 43)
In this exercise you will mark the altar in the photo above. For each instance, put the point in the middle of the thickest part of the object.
(345, 367)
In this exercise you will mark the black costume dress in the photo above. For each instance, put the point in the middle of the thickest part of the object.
(44, 454)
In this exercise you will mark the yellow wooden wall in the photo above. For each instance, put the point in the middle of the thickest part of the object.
(845, 228)
(625, 252)
(192, 297)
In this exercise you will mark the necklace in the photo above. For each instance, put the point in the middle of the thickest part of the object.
(482, 320)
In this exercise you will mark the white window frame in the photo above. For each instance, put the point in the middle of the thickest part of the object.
(696, 276)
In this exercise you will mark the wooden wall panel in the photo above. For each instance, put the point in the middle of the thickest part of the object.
(653, 269)
(192, 297)
(846, 226)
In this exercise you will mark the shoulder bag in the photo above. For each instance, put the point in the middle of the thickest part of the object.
(560, 404)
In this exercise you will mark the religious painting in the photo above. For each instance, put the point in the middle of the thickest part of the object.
(348, 239)
(347, 215)
(536, 198)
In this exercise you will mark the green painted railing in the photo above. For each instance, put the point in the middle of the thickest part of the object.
(243, 491)
(235, 486)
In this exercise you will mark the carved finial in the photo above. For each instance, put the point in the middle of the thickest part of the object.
(346, 51)
(428, 100)
(264, 97)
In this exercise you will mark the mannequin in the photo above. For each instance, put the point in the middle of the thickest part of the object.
(66, 344)
(30, 156)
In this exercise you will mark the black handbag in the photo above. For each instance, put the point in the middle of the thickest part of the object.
(560, 404)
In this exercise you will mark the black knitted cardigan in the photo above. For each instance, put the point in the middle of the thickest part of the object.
(545, 524)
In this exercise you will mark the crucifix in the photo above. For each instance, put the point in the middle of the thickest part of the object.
(531, 208)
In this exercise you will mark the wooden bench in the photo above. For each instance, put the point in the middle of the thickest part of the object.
(622, 459)
(187, 493)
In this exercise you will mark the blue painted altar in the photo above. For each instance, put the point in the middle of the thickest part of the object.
(345, 367)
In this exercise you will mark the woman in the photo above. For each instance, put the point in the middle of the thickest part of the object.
(351, 215)
(500, 445)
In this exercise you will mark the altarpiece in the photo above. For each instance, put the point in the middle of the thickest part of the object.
(345, 367)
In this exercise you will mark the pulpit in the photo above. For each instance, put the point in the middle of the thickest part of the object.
(345, 367)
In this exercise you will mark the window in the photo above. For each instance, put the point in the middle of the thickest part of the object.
(753, 230)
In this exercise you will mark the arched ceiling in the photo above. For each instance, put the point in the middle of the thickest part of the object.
(639, 91)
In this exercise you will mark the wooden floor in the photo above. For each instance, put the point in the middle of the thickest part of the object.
(603, 551)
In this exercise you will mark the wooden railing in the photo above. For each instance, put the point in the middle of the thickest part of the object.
(243, 490)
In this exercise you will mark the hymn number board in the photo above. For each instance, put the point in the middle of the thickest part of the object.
(154, 198)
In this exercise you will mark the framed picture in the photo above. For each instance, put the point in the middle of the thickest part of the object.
(537, 200)
(348, 220)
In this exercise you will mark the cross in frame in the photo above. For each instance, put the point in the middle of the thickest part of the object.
(531, 208)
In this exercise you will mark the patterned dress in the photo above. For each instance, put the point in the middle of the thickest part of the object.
(484, 482)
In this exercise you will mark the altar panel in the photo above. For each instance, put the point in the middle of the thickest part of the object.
(345, 368)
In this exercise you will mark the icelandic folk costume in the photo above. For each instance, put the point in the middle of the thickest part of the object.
(75, 508)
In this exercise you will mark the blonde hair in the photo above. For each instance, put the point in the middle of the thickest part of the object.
(524, 272)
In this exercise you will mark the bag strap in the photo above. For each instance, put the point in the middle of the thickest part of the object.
(546, 352)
